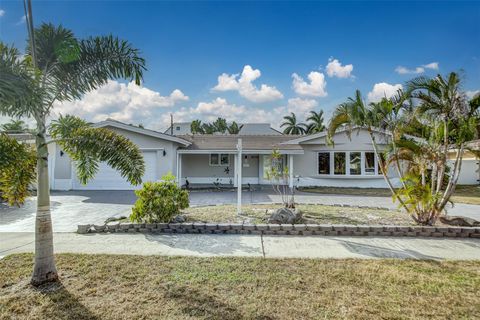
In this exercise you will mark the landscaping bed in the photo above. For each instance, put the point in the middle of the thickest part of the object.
(146, 287)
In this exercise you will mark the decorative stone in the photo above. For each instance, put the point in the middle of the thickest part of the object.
(459, 221)
(179, 218)
(285, 216)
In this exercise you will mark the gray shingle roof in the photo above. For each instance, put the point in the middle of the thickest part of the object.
(229, 142)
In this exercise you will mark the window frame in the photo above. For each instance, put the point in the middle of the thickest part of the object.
(219, 164)
(363, 173)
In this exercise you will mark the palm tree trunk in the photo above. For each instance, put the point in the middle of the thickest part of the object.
(44, 269)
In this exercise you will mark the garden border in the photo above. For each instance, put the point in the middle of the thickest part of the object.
(285, 229)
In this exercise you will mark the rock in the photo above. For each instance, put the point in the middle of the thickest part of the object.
(285, 216)
(114, 219)
(459, 221)
(178, 219)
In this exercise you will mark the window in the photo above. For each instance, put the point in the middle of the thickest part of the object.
(355, 163)
(369, 163)
(267, 164)
(178, 128)
(382, 161)
(339, 163)
(219, 159)
(324, 163)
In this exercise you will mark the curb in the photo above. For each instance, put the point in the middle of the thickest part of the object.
(285, 229)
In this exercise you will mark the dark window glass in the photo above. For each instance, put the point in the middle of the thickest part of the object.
(324, 163)
(339, 163)
(355, 163)
(369, 163)
(382, 159)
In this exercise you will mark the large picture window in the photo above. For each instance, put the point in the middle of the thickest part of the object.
(324, 163)
(355, 163)
(219, 159)
(339, 163)
(369, 163)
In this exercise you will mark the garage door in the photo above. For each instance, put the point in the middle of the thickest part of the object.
(109, 179)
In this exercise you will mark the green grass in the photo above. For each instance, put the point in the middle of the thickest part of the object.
(155, 287)
(463, 193)
(321, 214)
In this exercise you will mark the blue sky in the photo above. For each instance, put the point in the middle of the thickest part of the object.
(188, 45)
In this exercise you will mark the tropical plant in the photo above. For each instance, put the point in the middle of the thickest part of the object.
(196, 127)
(279, 177)
(159, 201)
(15, 126)
(315, 122)
(442, 121)
(292, 126)
(234, 128)
(59, 67)
(220, 125)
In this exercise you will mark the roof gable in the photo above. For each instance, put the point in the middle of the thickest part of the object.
(147, 132)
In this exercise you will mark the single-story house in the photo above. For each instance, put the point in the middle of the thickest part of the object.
(209, 159)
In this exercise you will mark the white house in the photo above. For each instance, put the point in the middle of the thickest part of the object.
(208, 159)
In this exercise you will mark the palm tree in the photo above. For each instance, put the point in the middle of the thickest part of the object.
(315, 122)
(234, 128)
(196, 127)
(220, 125)
(15, 126)
(292, 126)
(59, 67)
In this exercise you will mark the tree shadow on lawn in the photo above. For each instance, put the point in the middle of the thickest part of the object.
(62, 304)
(382, 252)
(209, 243)
(196, 303)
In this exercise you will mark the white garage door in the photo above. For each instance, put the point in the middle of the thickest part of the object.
(109, 179)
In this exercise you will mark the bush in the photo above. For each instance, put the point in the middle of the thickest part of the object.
(159, 201)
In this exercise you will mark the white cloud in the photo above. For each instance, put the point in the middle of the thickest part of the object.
(243, 84)
(301, 106)
(22, 20)
(417, 70)
(472, 93)
(431, 65)
(128, 103)
(2, 13)
(335, 69)
(383, 90)
(316, 87)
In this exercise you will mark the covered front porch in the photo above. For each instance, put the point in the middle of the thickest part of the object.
(226, 169)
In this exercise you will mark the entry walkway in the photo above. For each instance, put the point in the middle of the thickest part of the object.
(250, 246)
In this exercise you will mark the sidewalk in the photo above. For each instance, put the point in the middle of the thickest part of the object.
(250, 246)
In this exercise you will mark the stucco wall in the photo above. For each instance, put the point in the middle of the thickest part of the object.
(470, 172)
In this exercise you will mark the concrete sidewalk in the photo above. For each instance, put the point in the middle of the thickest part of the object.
(250, 246)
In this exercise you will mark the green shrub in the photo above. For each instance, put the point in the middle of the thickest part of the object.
(159, 201)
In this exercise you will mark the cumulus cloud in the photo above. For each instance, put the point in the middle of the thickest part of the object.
(2, 13)
(417, 70)
(243, 83)
(383, 90)
(472, 93)
(301, 106)
(22, 20)
(316, 87)
(123, 102)
(335, 69)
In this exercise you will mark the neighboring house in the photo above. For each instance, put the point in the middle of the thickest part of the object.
(183, 128)
(470, 171)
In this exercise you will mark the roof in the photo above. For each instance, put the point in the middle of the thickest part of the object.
(249, 142)
(183, 128)
(25, 137)
(147, 132)
(474, 144)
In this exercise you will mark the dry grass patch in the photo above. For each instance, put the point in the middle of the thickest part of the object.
(146, 287)
(463, 193)
(321, 214)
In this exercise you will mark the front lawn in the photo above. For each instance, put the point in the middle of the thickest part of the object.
(321, 214)
(156, 287)
(463, 193)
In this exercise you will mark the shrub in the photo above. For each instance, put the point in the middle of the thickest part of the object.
(159, 201)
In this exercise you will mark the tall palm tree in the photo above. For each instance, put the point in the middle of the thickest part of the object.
(59, 67)
(196, 127)
(315, 123)
(292, 126)
(15, 126)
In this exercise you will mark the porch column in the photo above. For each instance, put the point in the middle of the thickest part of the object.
(239, 176)
(179, 169)
(290, 171)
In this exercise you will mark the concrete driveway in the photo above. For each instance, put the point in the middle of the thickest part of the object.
(85, 207)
